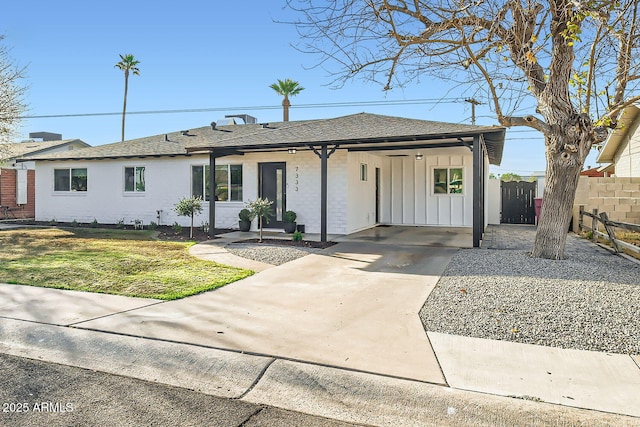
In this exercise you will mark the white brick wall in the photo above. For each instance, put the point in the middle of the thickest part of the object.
(405, 196)
(169, 179)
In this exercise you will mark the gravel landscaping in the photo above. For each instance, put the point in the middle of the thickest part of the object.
(590, 301)
(271, 254)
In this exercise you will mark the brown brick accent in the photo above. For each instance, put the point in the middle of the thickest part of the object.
(8, 195)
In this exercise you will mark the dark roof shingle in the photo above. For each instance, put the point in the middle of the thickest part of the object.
(362, 128)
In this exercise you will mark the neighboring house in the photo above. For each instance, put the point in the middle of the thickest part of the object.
(17, 176)
(621, 151)
(593, 172)
(614, 187)
(339, 175)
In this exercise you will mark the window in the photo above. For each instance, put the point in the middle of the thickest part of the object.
(70, 179)
(447, 181)
(363, 171)
(134, 179)
(228, 180)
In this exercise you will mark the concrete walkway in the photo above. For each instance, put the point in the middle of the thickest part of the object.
(335, 334)
(354, 306)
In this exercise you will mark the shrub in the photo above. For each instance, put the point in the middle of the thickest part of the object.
(177, 228)
(94, 223)
(297, 236)
(205, 227)
(153, 225)
(119, 223)
(289, 216)
(245, 215)
(74, 223)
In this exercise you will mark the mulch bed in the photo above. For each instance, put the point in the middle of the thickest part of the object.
(166, 232)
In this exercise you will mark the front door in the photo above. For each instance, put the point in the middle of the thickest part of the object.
(272, 184)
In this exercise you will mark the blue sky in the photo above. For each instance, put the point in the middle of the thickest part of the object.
(199, 55)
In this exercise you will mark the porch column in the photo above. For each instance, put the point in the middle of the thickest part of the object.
(324, 155)
(212, 194)
(478, 190)
(323, 193)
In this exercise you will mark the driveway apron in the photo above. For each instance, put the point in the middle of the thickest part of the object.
(354, 305)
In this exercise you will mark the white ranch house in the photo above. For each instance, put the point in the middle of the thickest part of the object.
(339, 175)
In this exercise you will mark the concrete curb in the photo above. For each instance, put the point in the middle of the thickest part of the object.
(328, 392)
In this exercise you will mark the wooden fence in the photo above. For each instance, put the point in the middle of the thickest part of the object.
(609, 227)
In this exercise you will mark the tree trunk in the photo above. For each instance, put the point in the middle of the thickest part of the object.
(191, 229)
(565, 154)
(285, 109)
(124, 106)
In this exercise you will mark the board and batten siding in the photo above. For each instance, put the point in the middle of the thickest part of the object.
(410, 187)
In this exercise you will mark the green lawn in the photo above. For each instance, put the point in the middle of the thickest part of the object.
(121, 262)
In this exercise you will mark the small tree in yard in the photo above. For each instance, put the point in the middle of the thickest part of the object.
(565, 68)
(189, 206)
(261, 209)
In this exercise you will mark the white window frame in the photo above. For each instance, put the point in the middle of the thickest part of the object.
(71, 190)
(448, 182)
(204, 180)
(135, 190)
(364, 172)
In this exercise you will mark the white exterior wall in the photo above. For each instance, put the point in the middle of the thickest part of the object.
(303, 187)
(627, 158)
(169, 179)
(408, 190)
(494, 200)
(362, 194)
(487, 207)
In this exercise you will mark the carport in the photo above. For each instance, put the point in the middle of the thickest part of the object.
(366, 133)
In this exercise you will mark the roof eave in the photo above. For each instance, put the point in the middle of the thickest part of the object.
(613, 142)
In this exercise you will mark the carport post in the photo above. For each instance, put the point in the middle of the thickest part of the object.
(478, 190)
(323, 193)
(212, 197)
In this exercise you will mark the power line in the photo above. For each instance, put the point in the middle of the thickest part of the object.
(259, 107)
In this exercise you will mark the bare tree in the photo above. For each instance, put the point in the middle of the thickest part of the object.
(12, 104)
(571, 66)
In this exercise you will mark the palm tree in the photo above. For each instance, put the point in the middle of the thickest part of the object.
(286, 88)
(128, 64)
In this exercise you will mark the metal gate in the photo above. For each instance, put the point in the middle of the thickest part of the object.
(518, 204)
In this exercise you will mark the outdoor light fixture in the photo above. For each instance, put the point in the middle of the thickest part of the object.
(292, 151)
(419, 156)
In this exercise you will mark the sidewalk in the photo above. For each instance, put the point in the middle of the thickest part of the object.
(469, 381)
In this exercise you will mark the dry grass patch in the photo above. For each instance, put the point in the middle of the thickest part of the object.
(121, 262)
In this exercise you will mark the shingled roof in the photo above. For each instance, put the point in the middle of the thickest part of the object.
(28, 148)
(363, 130)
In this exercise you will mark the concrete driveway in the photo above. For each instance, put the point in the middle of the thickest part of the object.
(355, 306)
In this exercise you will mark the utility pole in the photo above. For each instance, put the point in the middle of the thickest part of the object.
(473, 103)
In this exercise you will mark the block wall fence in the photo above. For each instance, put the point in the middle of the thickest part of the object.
(619, 197)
